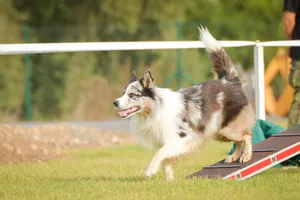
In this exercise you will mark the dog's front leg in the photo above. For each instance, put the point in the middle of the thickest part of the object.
(165, 155)
(154, 165)
(160, 156)
(169, 174)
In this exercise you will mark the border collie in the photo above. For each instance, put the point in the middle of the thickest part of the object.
(177, 122)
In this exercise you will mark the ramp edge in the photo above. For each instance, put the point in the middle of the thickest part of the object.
(265, 163)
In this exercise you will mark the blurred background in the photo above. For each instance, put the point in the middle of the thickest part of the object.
(82, 86)
(56, 109)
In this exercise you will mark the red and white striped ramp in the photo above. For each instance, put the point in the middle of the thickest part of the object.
(266, 154)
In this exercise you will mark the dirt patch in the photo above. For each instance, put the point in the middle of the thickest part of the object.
(46, 142)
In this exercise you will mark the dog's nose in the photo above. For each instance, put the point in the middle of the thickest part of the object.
(116, 103)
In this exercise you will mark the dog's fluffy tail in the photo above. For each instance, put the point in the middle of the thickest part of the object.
(221, 61)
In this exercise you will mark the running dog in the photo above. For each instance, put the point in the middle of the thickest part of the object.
(177, 122)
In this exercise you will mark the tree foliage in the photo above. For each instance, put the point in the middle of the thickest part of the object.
(240, 20)
(11, 71)
(93, 20)
(57, 77)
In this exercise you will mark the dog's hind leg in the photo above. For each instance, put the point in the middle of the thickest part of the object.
(247, 154)
(236, 154)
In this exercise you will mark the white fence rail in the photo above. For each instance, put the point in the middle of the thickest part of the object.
(108, 46)
(8, 49)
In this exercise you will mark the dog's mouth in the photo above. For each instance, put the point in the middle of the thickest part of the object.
(129, 111)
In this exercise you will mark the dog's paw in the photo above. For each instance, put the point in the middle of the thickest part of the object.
(231, 158)
(245, 157)
(170, 178)
(149, 173)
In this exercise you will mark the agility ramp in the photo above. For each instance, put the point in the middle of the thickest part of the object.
(266, 154)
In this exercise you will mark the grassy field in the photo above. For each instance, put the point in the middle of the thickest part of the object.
(116, 173)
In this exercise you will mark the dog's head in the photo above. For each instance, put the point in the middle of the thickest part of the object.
(137, 96)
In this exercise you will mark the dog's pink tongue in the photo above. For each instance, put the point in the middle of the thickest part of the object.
(123, 113)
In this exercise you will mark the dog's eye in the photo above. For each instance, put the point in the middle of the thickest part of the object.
(131, 95)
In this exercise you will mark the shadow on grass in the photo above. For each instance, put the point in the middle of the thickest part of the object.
(99, 179)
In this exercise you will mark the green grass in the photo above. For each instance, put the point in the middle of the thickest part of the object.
(116, 173)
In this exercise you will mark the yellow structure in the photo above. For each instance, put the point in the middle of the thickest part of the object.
(279, 64)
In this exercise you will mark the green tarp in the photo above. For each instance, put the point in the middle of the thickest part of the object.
(264, 129)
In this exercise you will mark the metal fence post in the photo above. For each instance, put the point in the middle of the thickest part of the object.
(27, 67)
(259, 81)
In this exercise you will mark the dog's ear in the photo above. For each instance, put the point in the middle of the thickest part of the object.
(148, 80)
(133, 77)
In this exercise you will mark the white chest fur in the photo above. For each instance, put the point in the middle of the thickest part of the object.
(147, 132)
(161, 127)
